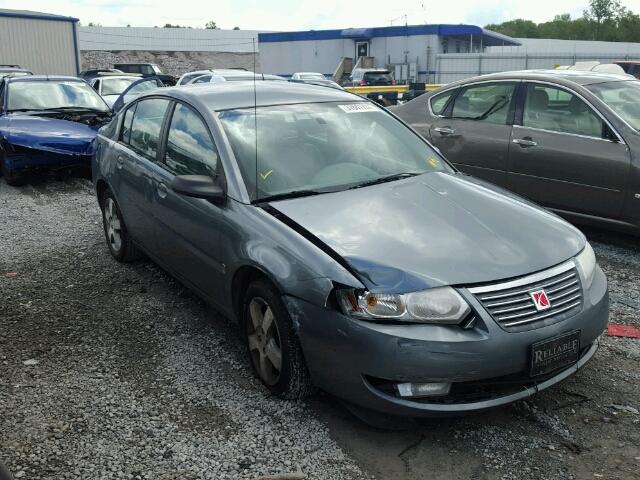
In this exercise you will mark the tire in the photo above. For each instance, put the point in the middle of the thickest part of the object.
(291, 380)
(12, 178)
(115, 231)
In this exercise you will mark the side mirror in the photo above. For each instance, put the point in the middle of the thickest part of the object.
(198, 186)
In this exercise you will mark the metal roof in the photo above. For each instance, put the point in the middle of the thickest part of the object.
(231, 95)
(489, 38)
(4, 12)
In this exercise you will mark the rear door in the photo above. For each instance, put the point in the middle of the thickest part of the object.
(188, 229)
(136, 154)
(474, 130)
(565, 156)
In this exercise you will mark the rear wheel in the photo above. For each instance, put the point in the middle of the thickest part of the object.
(14, 179)
(115, 231)
(273, 346)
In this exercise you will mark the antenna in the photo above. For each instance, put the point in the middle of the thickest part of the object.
(255, 114)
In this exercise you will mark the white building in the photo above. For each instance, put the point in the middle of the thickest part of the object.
(40, 42)
(410, 50)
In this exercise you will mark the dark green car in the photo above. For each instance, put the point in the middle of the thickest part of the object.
(568, 140)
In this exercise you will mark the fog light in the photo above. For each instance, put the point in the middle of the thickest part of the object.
(416, 390)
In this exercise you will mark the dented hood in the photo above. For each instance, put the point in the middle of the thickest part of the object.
(435, 229)
(50, 135)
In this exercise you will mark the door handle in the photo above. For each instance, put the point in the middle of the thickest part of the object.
(525, 142)
(447, 131)
(119, 162)
(162, 190)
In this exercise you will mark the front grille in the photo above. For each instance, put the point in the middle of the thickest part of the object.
(511, 305)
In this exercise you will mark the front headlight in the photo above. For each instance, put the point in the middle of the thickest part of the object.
(586, 261)
(436, 305)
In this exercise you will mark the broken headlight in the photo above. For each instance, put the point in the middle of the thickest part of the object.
(436, 305)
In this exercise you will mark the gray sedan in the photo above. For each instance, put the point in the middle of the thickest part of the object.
(353, 256)
(568, 140)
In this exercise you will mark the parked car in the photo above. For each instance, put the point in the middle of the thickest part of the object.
(354, 257)
(14, 71)
(235, 77)
(88, 75)
(47, 122)
(566, 139)
(146, 70)
(313, 78)
(630, 67)
(111, 87)
(187, 77)
(371, 77)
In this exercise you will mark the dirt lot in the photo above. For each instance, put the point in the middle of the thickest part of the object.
(115, 371)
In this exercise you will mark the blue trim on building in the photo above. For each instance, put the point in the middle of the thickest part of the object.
(38, 16)
(489, 38)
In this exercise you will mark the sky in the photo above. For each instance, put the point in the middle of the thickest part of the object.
(303, 14)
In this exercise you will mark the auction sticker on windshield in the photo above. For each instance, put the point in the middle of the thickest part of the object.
(358, 107)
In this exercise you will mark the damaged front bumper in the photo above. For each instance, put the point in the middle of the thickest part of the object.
(22, 159)
(361, 361)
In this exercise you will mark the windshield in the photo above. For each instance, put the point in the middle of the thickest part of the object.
(622, 98)
(115, 86)
(323, 147)
(51, 95)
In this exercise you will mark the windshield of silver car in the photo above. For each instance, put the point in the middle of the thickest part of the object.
(323, 147)
(52, 95)
(622, 98)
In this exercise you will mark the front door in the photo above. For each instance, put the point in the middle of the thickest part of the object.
(474, 131)
(564, 156)
(188, 229)
(362, 49)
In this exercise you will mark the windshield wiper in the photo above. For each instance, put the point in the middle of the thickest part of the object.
(292, 194)
(75, 109)
(388, 178)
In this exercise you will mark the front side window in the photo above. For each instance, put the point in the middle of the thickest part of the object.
(439, 102)
(557, 110)
(323, 147)
(51, 95)
(202, 79)
(486, 102)
(190, 150)
(146, 125)
(622, 98)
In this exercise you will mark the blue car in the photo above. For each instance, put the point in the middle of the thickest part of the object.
(47, 122)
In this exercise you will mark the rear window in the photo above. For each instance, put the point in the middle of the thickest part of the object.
(378, 77)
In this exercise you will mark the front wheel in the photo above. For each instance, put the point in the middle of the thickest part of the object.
(274, 349)
(14, 179)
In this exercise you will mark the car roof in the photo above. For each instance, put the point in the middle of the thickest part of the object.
(371, 70)
(46, 78)
(578, 77)
(230, 95)
(119, 77)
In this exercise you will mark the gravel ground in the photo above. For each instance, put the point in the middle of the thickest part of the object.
(112, 371)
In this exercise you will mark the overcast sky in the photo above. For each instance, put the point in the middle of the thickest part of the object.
(303, 14)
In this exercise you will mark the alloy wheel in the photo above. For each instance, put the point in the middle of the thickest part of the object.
(112, 225)
(264, 341)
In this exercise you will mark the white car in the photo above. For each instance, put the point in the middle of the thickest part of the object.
(111, 87)
(216, 77)
(190, 76)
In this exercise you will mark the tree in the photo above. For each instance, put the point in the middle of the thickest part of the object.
(236, 28)
(518, 28)
(94, 24)
(211, 25)
(601, 12)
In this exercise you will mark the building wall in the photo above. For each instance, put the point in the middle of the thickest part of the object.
(43, 46)
(586, 47)
(286, 58)
(167, 39)
(171, 62)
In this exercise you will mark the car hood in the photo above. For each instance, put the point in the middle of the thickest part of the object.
(50, 135)
(435, 229)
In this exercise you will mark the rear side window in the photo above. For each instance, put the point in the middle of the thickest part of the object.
(558, 110)
(486, 102)
(203, 79)
(146, 125)
(125, 131)
(190, 150)
(439, 102)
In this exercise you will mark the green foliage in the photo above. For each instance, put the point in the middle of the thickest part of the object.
(211, 25)
(604, 20)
